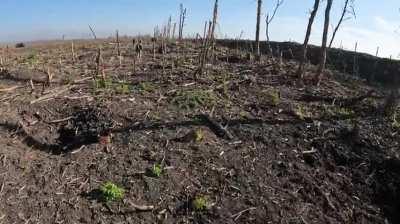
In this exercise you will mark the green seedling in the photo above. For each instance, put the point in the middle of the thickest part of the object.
(122, 88)
(273, 97)
(200, 203)
(337, 111)
(301, 112)
(146, 87)
(395, 123)
(102, 84)
(111, 192)
(198, 135)
(156, 170)
(31, 59)
(194, 99)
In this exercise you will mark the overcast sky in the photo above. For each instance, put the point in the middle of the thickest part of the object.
(377, 22)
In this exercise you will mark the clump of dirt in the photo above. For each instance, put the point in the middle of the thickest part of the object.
(86, 126)
(386, 185)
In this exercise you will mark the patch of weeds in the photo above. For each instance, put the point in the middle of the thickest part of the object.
(156, 170)
(200, 203)
(301, 112)
(224, 86)
(31, 59)
(194, 99)
(67, 80)
(334, 111)
(146, 87)
(272, 96)
(244, 114)
(198, 135)
(341, 111)
(395, 123)
(102, 84)
(372, 102)
(111, 192)
(178, 61)
(122, 88)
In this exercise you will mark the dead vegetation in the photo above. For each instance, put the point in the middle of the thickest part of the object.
(244, 142)
(165, 130)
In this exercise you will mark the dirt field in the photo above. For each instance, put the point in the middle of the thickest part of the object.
(246, 138)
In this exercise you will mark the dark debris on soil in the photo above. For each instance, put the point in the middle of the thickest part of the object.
(272, 150)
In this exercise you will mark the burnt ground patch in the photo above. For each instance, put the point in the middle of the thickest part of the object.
(271, 150)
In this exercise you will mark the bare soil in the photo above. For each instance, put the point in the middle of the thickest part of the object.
(286, 153)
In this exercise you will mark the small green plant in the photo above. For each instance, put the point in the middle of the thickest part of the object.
(111, 192)
(31, 59)
(272, 96)
(334, 111)
(371, 102)
(200, 203)
(156, 170)
(341, 111)
(395, 123)
(146, 87)
(102, 84)
(301, 112)
(67, 80)
(198, 135)
(122, 88)
(194, 99)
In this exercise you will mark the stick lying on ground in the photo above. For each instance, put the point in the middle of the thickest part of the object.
(216, 127)
(53, 94)
(10, 89)
(141, 207)
(340, 101)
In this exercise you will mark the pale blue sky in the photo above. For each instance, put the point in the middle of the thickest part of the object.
(22, 20)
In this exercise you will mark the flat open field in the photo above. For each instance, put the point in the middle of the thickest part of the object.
(245, 142)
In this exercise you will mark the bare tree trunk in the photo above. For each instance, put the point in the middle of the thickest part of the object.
(268, 22)
(322, 58)
(259, 6)
(346, 4)
(169, 27)
(182, 18)
(215, 17)
(180, 22)
(355, 70)
(173, 31)
(205, 48)
(214, 24)
(73, 51)
(303, 59)
(119, 49)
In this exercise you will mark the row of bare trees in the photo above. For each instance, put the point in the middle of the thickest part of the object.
(348, 9)
(347, 12)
